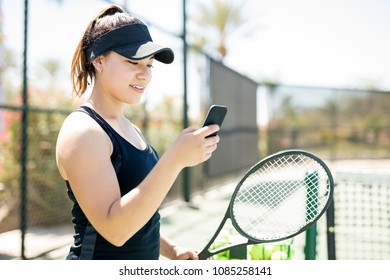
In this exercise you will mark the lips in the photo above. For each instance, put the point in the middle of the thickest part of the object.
(138, 88)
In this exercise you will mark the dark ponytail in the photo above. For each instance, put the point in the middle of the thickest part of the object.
(108, 19)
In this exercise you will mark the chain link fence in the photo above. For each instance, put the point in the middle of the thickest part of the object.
(345, 124)
(333, 123)
(336, 123)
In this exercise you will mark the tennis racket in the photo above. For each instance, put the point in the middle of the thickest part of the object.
(279, 197)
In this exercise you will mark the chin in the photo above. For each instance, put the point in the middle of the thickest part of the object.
(133, 101)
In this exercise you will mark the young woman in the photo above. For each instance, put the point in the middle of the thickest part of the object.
(112, 174)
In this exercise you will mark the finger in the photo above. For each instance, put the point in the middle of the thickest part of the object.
(191, 129)
(207, 130)
(209, 151)
(211, 148)
(211, 142)
(194, 256)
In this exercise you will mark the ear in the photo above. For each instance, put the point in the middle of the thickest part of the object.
(98, 63)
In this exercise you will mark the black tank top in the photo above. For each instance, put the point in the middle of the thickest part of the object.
(131, 167)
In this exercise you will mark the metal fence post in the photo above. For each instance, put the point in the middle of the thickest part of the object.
(24, 140)
(311, 181)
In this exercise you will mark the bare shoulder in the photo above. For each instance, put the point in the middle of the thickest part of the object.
(80, 137)
(78, 127)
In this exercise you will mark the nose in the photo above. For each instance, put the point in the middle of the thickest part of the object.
(144, 73)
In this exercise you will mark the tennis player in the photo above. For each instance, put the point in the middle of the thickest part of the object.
(113, 176)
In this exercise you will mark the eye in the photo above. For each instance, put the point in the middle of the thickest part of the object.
(133, 62)
(150, 66)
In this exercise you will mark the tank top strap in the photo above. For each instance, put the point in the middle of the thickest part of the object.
(102, 122)
(117, 148)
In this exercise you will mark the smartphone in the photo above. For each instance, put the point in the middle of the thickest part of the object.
(215, 115)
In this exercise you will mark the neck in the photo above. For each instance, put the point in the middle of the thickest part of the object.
(105, 106)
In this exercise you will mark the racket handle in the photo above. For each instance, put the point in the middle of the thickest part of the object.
(204, 255)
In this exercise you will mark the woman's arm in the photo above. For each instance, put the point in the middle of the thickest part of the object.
(83, 157)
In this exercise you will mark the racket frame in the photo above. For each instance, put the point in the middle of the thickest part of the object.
(205, 253)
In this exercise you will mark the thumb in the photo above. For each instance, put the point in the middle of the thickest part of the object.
(190, 129)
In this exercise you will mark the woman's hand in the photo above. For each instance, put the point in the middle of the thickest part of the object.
(171, 251)
(185, 254)
(192, 147)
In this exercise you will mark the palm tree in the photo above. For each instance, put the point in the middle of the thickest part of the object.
(223, 18)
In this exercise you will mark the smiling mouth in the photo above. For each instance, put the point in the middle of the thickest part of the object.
(138, 87)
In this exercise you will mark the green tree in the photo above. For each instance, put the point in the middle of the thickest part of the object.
(215, 24)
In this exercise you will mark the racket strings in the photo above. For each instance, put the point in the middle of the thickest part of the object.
(280, 197)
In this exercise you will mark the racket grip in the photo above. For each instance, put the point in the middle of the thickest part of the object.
(204, 254)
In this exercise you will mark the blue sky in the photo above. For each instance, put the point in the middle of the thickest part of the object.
(330, 43)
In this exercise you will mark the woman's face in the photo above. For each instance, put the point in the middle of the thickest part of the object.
(123, 79)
